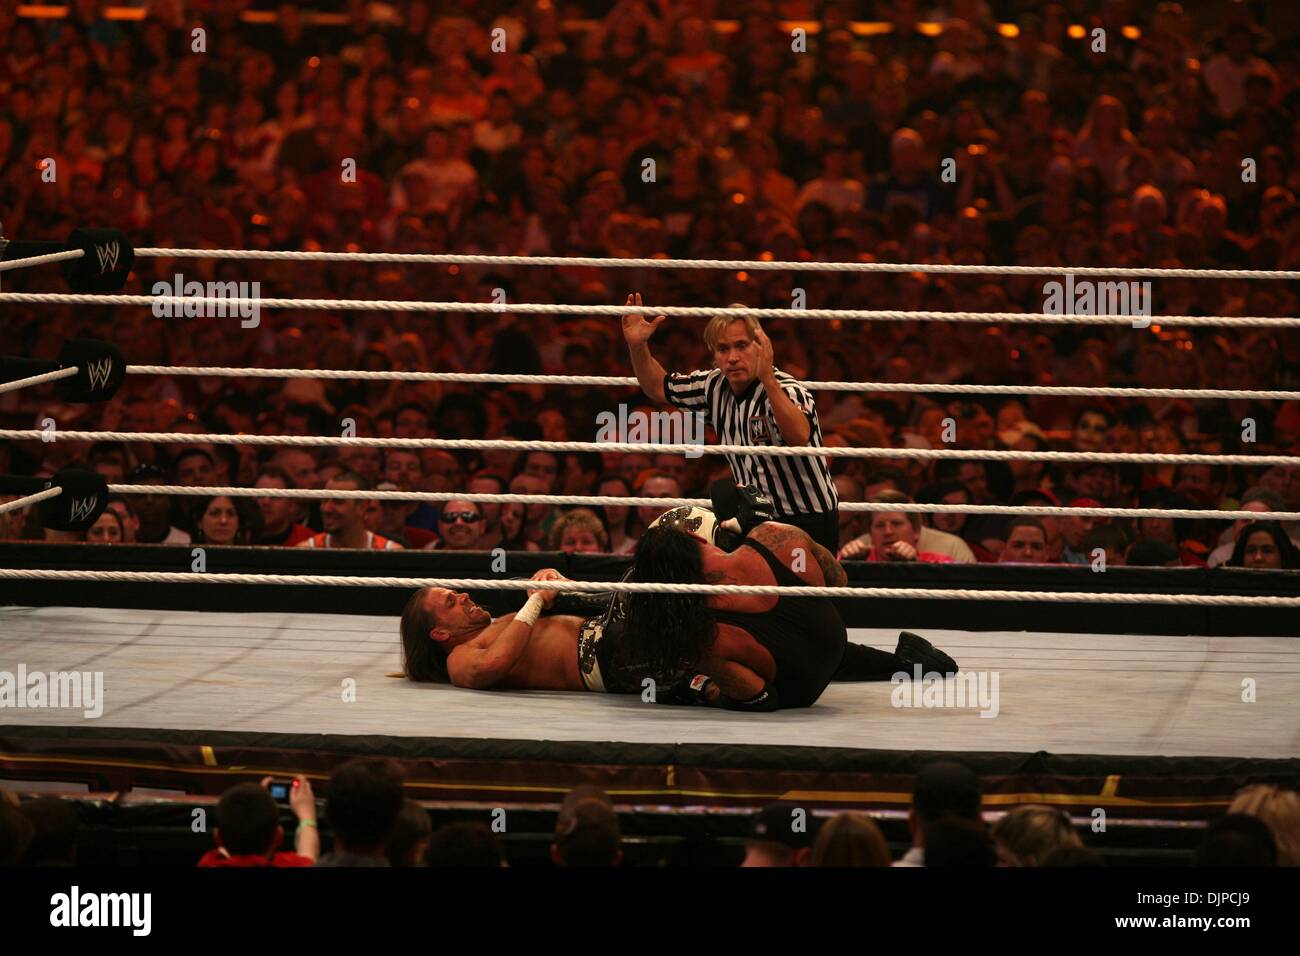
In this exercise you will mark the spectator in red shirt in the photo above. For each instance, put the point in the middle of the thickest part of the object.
(278, 524)
(893, 536)
(249, 833)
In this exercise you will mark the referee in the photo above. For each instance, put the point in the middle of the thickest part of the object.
(747, 401)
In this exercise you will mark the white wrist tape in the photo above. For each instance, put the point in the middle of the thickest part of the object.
(531, 610)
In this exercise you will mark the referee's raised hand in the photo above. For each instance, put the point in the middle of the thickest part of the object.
(636, 329)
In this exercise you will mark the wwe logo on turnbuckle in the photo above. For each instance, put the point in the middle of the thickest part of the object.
(108, 256)
(99, 372)
(82, 508)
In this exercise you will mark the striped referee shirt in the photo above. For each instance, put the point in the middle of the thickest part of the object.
(796, 486)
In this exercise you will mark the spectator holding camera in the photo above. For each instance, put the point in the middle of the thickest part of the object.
(248, 831)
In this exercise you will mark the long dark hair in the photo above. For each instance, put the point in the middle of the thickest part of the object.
(422, 657)
(1286, 550)
(667, 633)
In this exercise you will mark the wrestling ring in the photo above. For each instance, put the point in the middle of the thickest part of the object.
(1153, 694)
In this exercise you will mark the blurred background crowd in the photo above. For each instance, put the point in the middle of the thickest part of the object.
(1065, 154)
(372, 824)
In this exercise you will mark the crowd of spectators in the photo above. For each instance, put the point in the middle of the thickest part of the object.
(1067, 152)
(372, 824)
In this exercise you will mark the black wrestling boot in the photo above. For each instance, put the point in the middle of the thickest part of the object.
(913, 649)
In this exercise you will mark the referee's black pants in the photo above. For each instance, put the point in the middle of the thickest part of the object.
(822, 526)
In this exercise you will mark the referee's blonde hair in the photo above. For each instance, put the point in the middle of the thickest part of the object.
(713, 331)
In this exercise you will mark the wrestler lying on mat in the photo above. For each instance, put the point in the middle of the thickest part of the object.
(748, 653)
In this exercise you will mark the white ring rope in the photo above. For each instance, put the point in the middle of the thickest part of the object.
(229, 491)
(737, 265)
(764, 451)
(629, 587)
(232, 304)
(30, 499)
(41, 379)
(49, 257)
(615, 381)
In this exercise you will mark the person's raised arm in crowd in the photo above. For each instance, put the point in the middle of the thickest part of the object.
(302, 801)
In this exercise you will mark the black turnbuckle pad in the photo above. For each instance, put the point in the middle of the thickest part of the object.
(84, 498)
(101, 369)
(106, 264)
